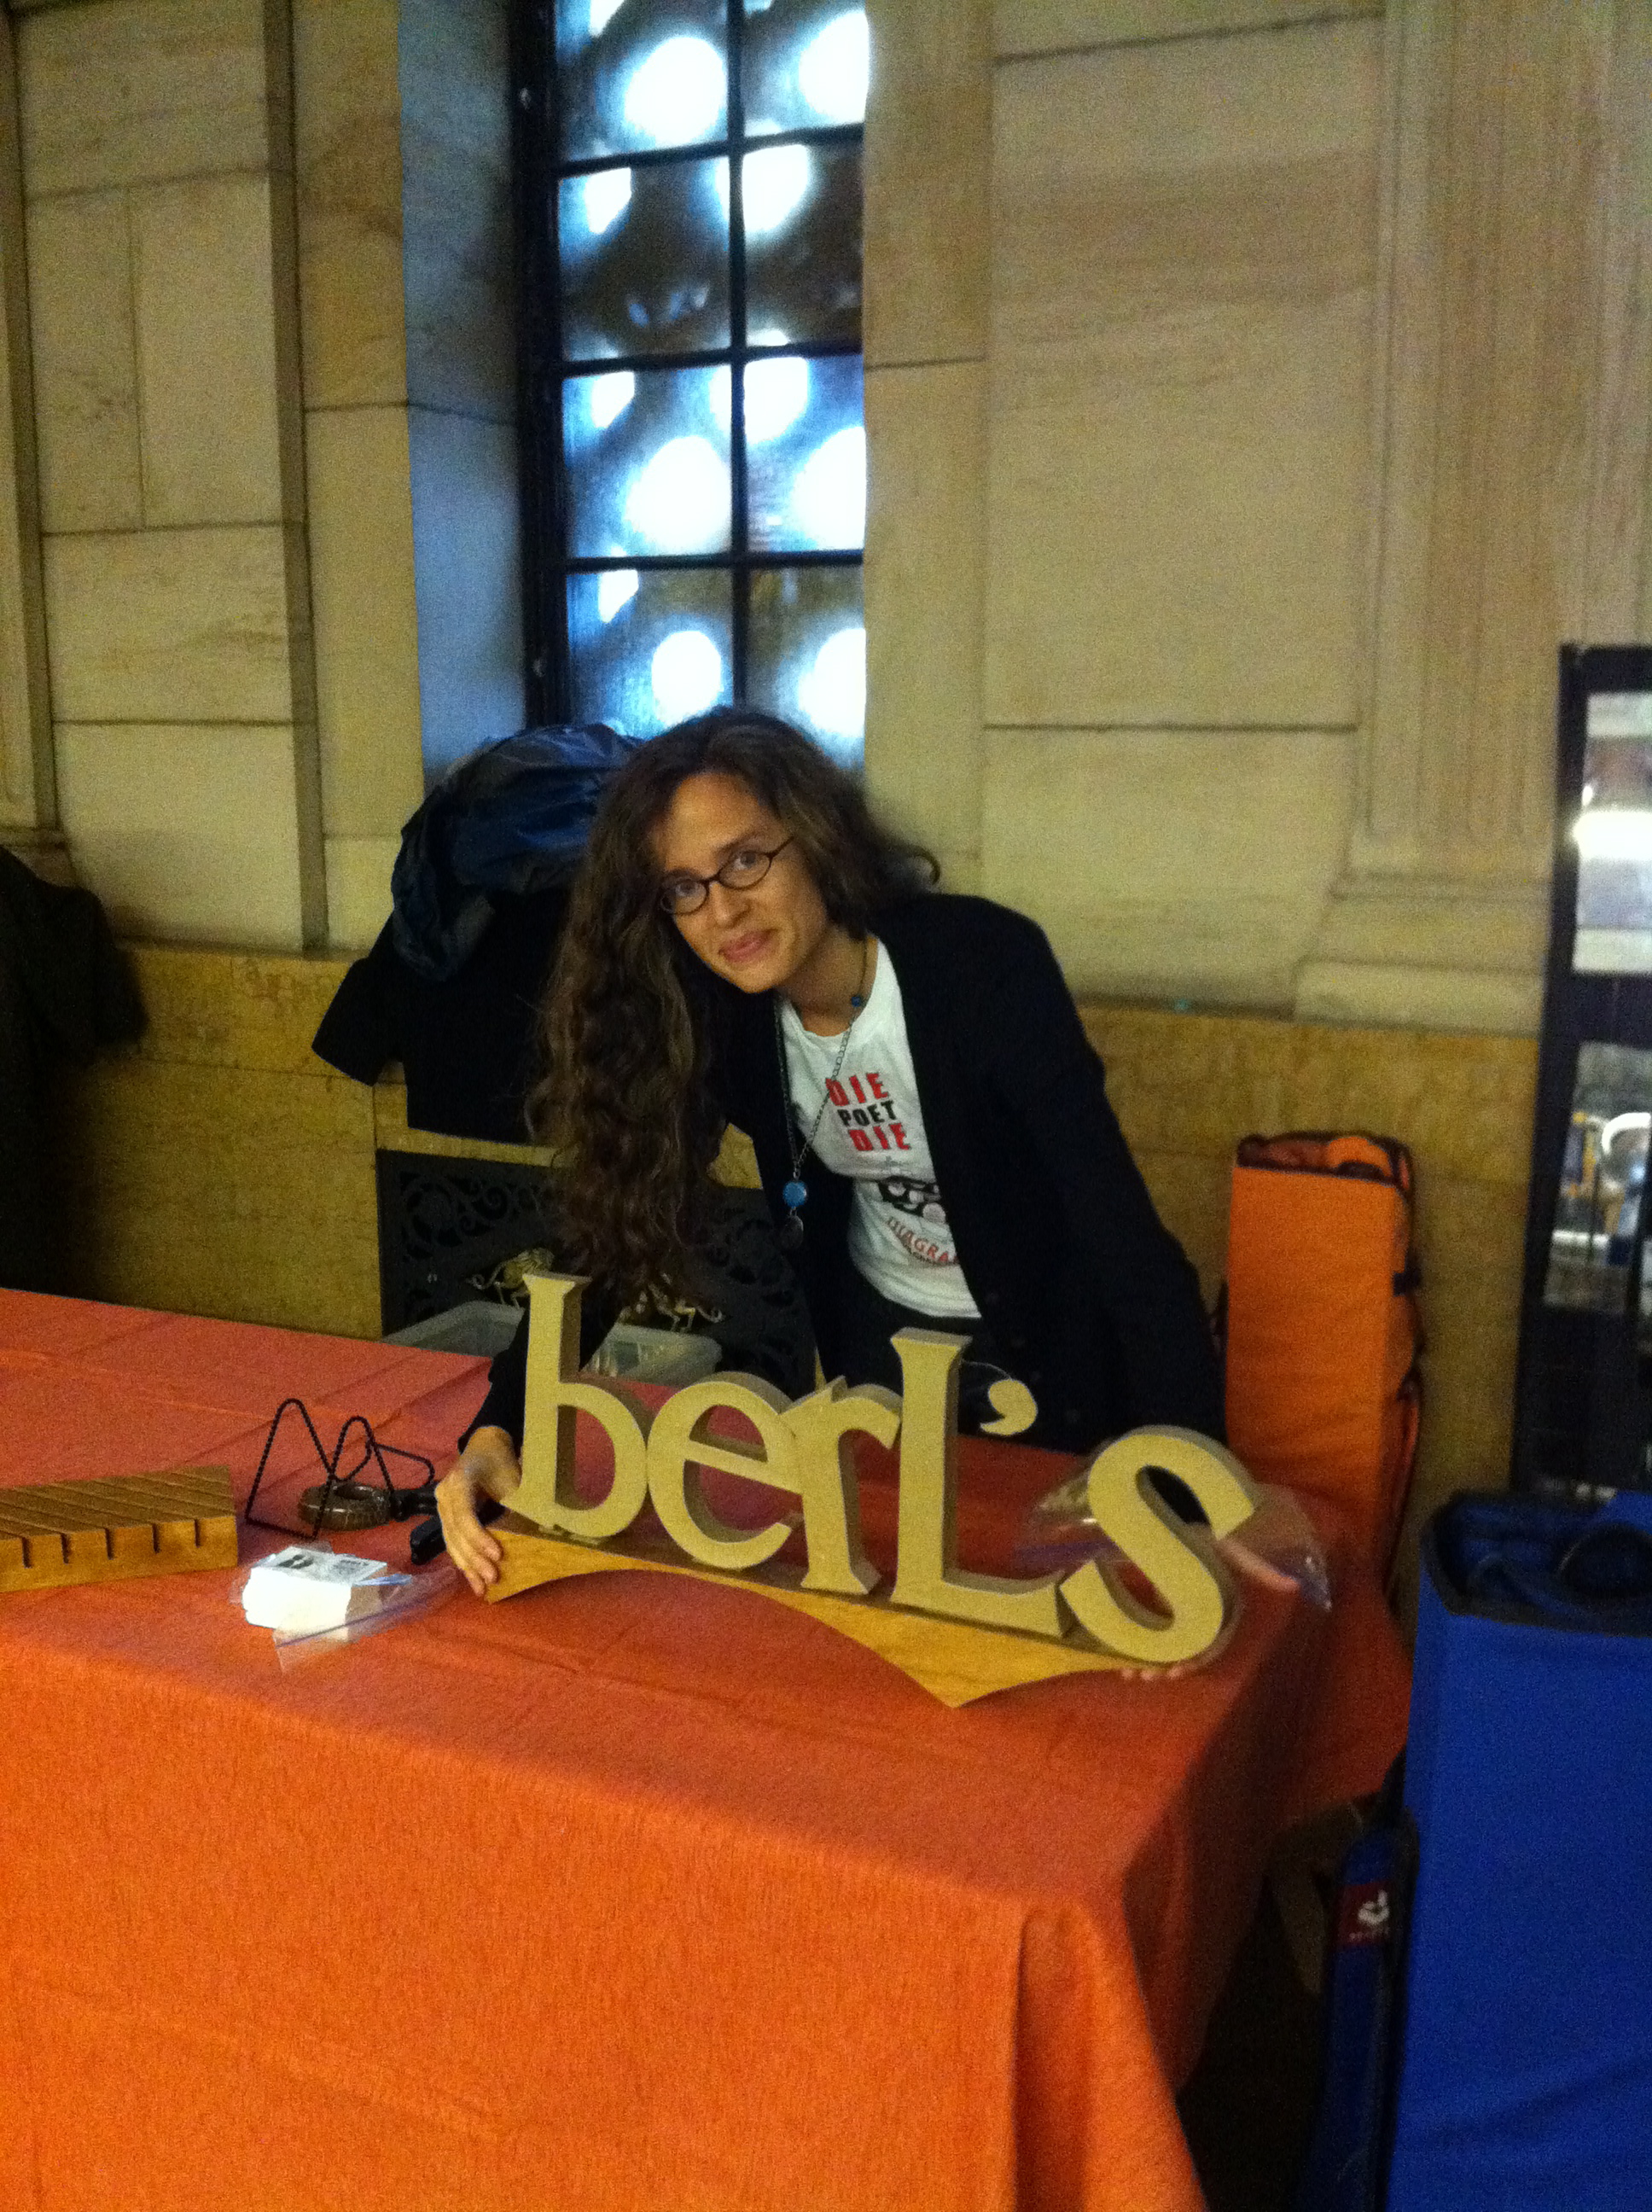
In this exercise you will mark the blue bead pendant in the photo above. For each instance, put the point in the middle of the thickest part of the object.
(795, 1194)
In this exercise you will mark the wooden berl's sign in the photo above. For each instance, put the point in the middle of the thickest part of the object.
(959, 1633)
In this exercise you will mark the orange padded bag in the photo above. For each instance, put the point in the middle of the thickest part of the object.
(1322, 1335)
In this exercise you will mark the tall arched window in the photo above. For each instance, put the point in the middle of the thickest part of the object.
(695, 493)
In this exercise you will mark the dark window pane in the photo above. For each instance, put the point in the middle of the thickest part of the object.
(805, 63)
(645, 259)
(633, 74)
(647, 462)
(807, 653)
(806, 454)
(650, 646)
(803, 243)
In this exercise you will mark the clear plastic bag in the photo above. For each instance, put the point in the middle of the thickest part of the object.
(409, 1597)
(397, 1597)
(1277, 1548)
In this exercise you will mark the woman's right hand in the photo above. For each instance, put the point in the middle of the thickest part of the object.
(488, 1467)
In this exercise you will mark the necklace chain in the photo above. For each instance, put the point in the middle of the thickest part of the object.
(800, 1150)
(790, 1231)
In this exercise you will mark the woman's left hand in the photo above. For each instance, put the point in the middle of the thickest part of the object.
(489, 1468)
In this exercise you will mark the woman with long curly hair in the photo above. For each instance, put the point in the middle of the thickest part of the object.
(747, 945)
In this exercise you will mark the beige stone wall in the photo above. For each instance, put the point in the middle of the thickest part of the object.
(410, 408)
(156, 168)
(1247, 432)
(461, 370)
(348, 147)
(403, 143)
(28, 773)
(267, 246)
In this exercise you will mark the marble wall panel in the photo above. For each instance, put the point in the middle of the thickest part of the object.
(125, 92)
(928, 158)
(1183, 254)
(169, 626)
(1191, 1084)
(456, 207)
(1447, 997)
(1471, 1242)
(466, 517)
(736, 1164)
(206, 313)
(1464, 1104)
(349, 152)
(218, 1166)
(366, 615)
(358, 889)
(247, 1194)
(80, 300)
(208, 1008)
(1169, 864)
(926, 441)
(188, 832)
(1190, 1194)
(1042, 27)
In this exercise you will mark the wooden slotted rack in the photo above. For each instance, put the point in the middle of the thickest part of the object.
(178, 1521)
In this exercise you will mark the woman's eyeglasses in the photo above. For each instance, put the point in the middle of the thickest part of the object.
(682, 893)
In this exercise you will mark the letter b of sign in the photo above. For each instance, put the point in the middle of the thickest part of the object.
(801, 1448)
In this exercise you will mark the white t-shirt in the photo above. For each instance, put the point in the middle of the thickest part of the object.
(873, 1132)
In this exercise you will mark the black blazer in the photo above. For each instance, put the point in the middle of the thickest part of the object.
(1090, 1297)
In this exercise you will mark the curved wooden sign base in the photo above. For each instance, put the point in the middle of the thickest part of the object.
(954, 1660)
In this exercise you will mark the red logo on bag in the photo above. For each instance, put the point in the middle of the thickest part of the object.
(1365, 1914)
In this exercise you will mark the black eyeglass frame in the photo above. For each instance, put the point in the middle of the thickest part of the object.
(676, 909)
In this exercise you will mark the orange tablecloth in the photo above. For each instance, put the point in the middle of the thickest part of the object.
(631, 1893)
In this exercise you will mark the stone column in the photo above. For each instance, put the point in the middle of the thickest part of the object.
(403, 129)
(929, 125)
(27, 792)
(1513, 399)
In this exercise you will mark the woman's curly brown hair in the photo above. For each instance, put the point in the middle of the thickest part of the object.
(629, 1019)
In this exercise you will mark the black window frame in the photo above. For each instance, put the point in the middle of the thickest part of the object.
(543, 370)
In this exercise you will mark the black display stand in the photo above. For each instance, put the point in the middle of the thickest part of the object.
(1583, 1392)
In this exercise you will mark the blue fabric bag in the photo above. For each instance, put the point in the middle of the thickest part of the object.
(1525, 2069)
(1347, 2154)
